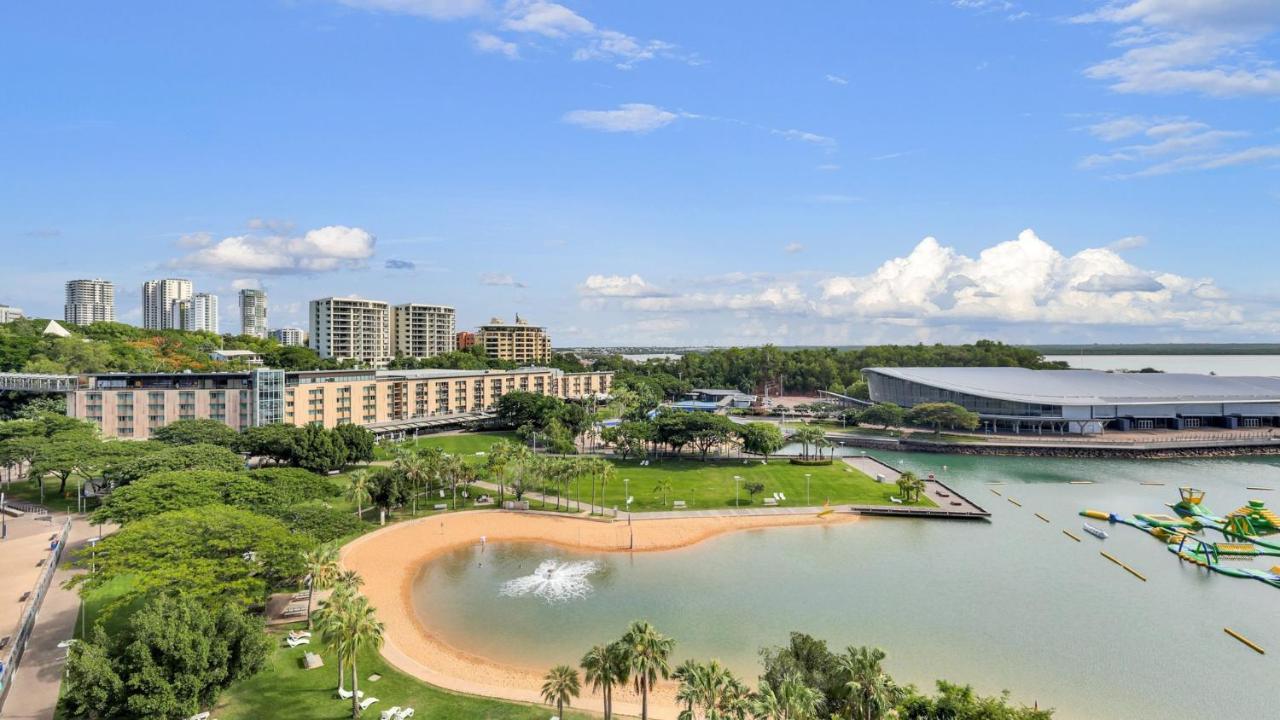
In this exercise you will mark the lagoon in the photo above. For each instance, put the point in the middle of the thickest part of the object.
(1010, 604)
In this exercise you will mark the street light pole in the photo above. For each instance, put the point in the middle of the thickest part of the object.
(806, 488)
(737, 479)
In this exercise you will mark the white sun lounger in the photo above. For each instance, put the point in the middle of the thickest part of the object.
(897, 501)
(364, 704)
(345, 694)
(199, 716)
(405, 713)
(391, 713)
(296, 634)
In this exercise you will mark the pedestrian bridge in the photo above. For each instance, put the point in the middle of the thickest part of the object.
(38, 382)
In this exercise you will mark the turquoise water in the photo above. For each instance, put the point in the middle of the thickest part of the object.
(1011, 604)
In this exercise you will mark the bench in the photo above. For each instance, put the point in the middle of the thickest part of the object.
(442, 506)
(678, 505)
(772, 502)
(24, 597)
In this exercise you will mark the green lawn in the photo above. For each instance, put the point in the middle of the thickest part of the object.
(29, 491)
(710, 485)
(285, 691)
(466, 444)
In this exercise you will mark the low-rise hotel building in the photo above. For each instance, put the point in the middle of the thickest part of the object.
(135, 405)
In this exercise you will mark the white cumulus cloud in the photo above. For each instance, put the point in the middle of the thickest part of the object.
(325, 249)
(618, 286)
(435, 9)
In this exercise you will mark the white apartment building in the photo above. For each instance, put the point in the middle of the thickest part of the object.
(422, 331)
(89, 301)
(289, 337)
(8, 313)
(199, 314)
(158, 298)
(351, 328)
(253, 313)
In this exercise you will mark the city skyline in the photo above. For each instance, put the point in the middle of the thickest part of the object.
(622, 177)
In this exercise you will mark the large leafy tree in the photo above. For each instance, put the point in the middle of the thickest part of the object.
(940, 415)
(190, 432)
(318, 450)
(160, 493)
(629, 438)
(275, 442)
(185, 457)
(357, 441)
(174, 657)
(761, 438)
(885, 415)
(211, 553)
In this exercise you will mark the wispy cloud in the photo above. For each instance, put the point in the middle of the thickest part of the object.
(1164, 145)
(1201, 46)
(393, 264)
(807, 137)
(489, 43)
(792, 248)
(629, 118)
(837, 80)
(528, 21)
(500, 280)
(894, 155)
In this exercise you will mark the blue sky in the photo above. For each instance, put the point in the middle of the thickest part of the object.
(660, 172)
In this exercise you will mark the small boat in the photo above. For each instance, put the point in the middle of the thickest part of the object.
(1100, 534)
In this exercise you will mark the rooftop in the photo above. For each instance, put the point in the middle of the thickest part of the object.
(1090, 387)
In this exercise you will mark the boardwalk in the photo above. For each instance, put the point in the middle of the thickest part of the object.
(950, 504)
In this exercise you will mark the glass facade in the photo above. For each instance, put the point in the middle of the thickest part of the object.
(268, 397)
(908, 394)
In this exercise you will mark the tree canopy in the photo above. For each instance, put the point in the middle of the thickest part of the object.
(211, 553)
(174, 657)
(183, 457)
(192, 432)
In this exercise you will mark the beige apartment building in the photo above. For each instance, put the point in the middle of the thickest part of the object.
(422, 331)
(135, 405)
(517, 342)
(351, 329)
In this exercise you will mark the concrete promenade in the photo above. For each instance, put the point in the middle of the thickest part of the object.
(33, 695)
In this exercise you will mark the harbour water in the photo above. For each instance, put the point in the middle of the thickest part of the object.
(1012, 603)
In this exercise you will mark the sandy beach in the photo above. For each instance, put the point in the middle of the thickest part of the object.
(389, 558)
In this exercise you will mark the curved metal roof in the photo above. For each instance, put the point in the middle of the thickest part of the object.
(1091, 387)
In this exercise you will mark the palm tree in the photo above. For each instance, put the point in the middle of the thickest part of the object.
(792, 699)
(416, 467)
(664, 488)
(603, 667)
(606, 471)
(329, 624)
(358, 491)
(822, 442)
(871, 692)
(560, 686)
(358, 628)
(496, 462)
(686, 692)
(909, 485)
(807, 435)
(648, 658)
(347, 582)
(321, 564)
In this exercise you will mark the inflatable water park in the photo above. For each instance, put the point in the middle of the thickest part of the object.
(1242, 533)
